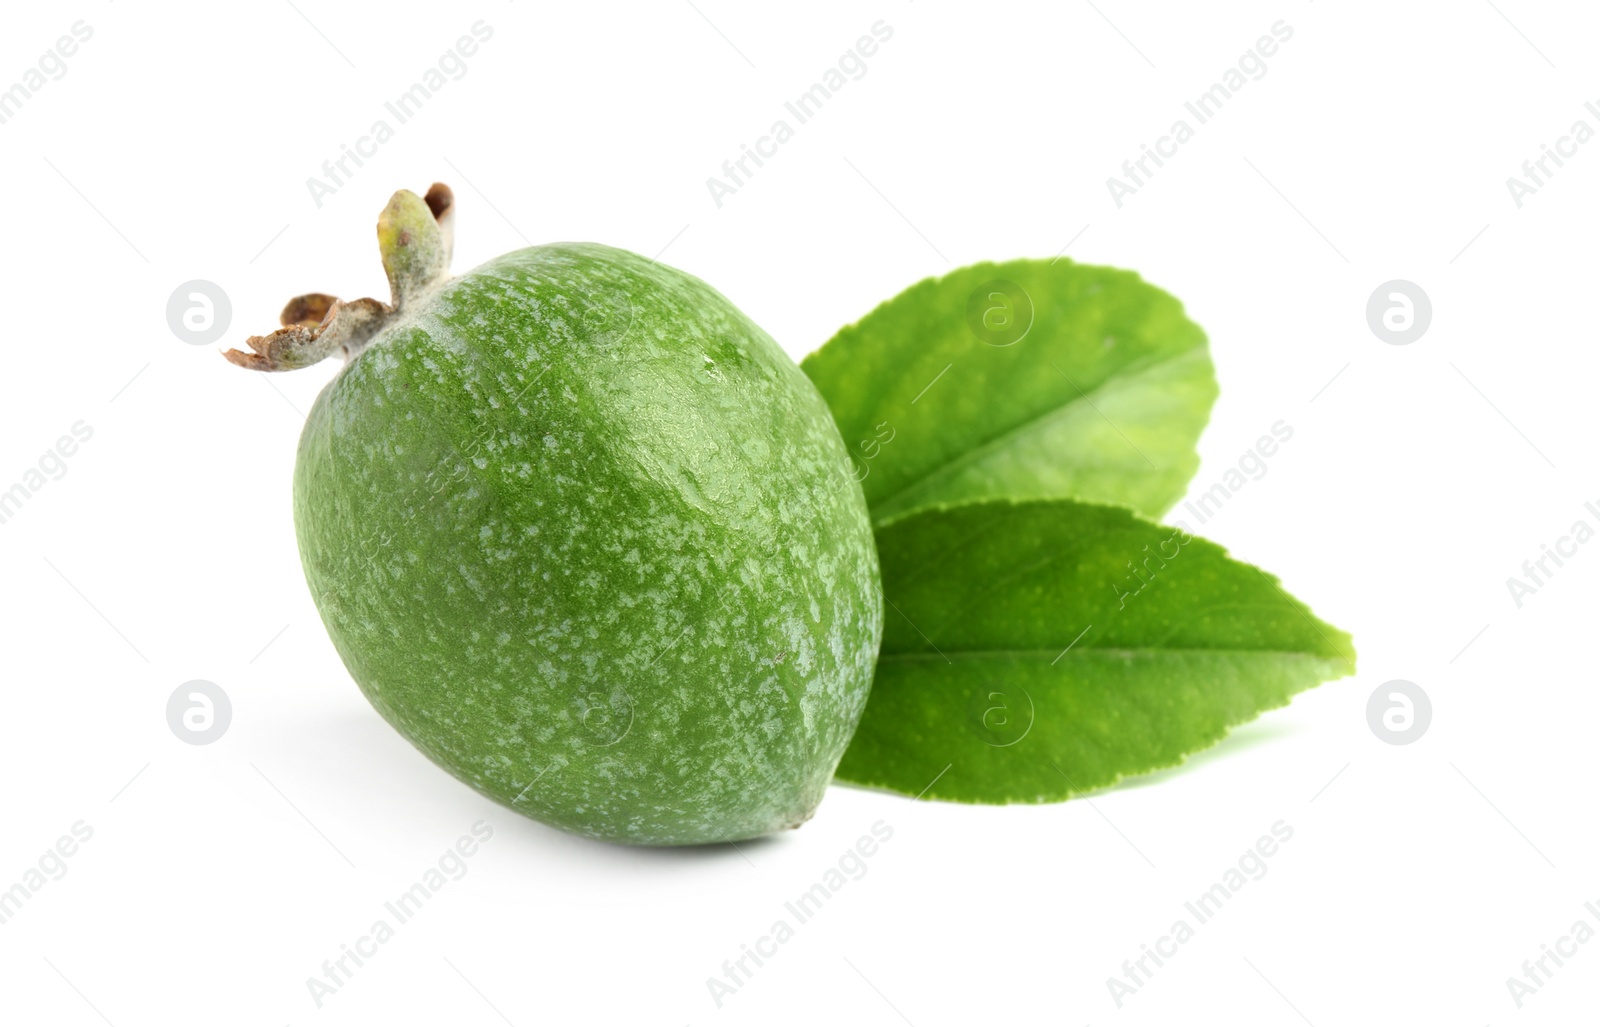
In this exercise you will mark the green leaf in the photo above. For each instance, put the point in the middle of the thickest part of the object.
(942, 398)
(1044, 649)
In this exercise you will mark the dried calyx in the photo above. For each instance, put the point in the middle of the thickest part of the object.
(415, 235)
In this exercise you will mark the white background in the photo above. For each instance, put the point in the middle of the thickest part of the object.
(220, 877)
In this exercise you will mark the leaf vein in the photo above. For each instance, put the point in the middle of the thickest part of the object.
(1040, 422)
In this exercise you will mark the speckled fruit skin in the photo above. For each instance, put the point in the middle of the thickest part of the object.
(586, 536)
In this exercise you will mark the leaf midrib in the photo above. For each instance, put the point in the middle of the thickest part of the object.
(972, 455)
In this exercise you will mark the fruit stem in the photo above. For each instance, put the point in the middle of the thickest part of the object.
(415, 237)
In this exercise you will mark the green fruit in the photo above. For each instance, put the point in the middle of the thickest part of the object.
(584, 535)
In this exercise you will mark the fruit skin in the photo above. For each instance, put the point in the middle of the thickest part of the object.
(587, 537)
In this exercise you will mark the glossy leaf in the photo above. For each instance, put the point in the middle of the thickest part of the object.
(1044, 649)
(1024, 380)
